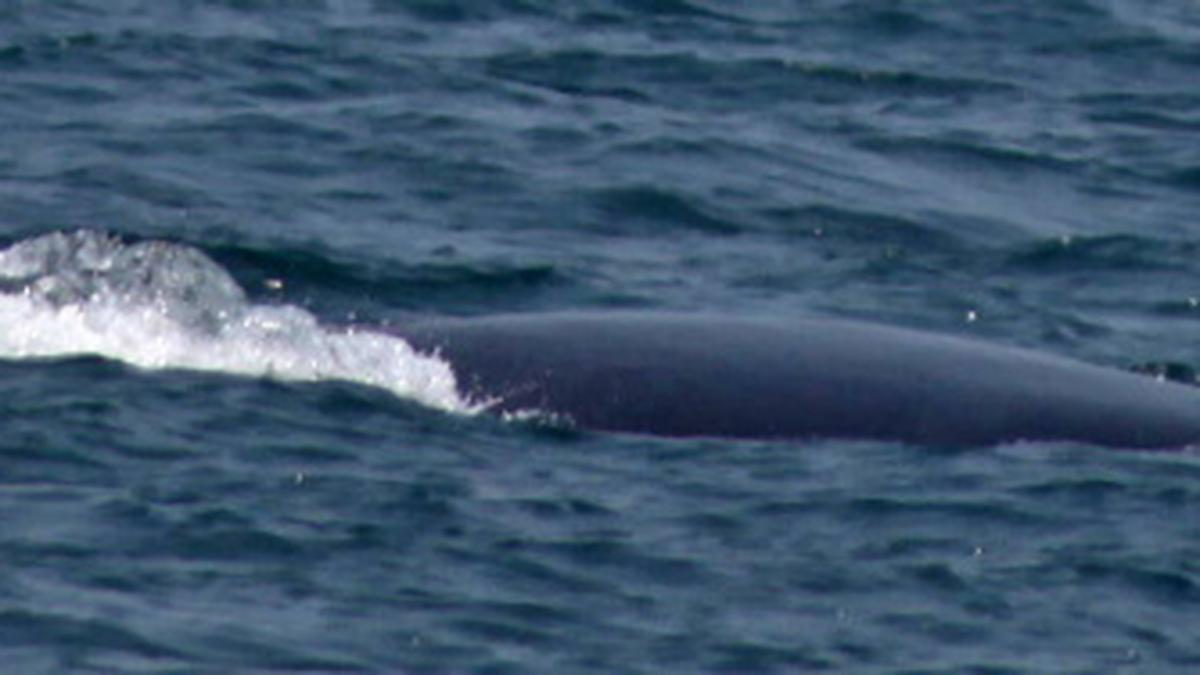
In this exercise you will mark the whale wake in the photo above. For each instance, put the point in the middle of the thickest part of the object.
(161, 305)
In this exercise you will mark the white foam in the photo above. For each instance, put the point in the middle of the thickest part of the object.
(162, 305)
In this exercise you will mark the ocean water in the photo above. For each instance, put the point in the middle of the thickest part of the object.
(216, 459)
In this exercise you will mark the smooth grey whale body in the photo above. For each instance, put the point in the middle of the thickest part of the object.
(699, 375)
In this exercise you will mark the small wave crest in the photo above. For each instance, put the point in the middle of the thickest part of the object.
(157, 304)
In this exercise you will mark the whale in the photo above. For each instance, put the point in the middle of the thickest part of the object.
(804, 378)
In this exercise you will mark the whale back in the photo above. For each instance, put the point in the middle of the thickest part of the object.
(698, 375)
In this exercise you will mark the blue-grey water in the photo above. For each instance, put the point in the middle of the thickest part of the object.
(202, 472)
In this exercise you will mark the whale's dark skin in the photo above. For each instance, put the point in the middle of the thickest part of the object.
(799, 378)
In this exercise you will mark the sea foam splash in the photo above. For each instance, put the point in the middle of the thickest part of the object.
(156, 304)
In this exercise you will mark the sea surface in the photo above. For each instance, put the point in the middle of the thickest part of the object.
(216, 459)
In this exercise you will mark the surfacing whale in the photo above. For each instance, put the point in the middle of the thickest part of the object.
(699, 375)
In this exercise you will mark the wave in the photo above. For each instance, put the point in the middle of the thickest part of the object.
(162, 305)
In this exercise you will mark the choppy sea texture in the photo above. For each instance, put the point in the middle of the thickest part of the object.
(327, 529)
(199, 473)
(1031, 163)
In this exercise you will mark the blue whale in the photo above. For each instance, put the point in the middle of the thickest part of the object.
(801, 378)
